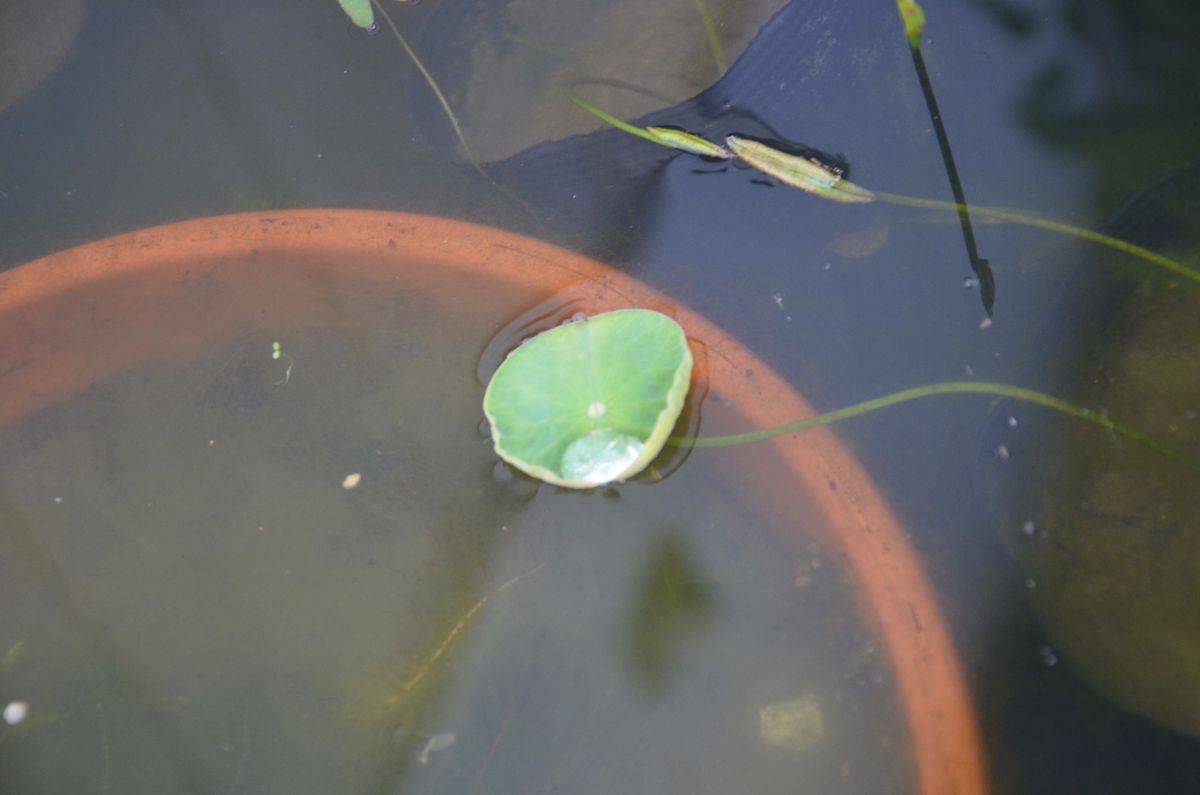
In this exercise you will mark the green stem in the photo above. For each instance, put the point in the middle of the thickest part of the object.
(453, 119)
(1014, 217)
(997, 213)
(714, 40)
(433, 86)
(948, 388)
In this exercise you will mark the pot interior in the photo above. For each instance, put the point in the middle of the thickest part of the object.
(231, 572)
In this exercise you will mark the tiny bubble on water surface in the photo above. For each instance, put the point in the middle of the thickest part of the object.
(970, 283)
(1012, 422)
(1048, 656)
(1031, 584)
(985, 323)
(373, 29)
(1029, 528)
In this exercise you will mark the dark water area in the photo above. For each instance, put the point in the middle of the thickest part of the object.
(1065, 559)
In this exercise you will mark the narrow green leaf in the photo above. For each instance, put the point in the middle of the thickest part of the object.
(689, 142)
(797, 171)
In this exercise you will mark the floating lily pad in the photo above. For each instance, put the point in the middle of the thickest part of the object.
(591, 401)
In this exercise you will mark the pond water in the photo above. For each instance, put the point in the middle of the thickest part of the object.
(203, 606)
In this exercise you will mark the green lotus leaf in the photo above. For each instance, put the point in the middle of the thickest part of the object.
(590, 401)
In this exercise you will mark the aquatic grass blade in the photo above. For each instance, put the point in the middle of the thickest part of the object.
(689, 142)
(810, 177)
(797, 171)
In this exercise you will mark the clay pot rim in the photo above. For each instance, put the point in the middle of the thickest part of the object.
(894, 593)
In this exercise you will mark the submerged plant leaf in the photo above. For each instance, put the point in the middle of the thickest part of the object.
(359, 11)
(797, 171)
(590, 401)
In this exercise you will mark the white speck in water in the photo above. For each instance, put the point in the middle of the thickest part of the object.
(1002, 452)
(968, 369)
(970, 283)
(1012, 422)
(1029, 528)
(438, 742)
(597, 410)
(1048, 656)
(1031, 584)
(985, 323)
(828, 265)
(15, 712)
(778, 299)
(58, 500)
(351, 481)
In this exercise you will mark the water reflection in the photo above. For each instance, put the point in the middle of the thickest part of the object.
(671, 604)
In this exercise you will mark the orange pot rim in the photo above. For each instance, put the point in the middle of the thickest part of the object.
(893, 592)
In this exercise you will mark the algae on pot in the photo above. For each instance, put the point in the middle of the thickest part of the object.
(1110, 536)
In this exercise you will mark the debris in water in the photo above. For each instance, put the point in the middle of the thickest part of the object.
(351, 481)
(794, 725)
(277, 354)
(438, 742)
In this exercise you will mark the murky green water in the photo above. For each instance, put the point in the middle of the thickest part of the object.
(206, 608)
(205, 603)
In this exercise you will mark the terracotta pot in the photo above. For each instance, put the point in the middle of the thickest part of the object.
(77, 316)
